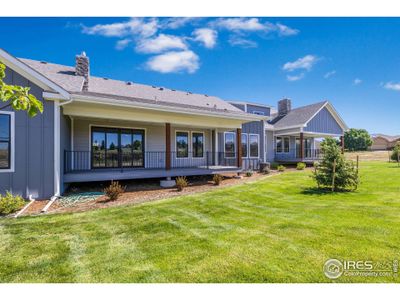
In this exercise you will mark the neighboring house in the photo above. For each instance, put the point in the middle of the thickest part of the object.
(98, 129)
(383, 141)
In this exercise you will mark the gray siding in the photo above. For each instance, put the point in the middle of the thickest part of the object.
(34, 151)
(65, 141)
(252, 108)
(323, 122)
(270, 155)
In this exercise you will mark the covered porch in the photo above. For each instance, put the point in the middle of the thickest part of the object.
(115, 144)
(300, 147)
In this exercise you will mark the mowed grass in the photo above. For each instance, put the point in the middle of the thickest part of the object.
(274, 230)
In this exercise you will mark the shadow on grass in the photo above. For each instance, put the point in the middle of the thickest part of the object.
(321, 191)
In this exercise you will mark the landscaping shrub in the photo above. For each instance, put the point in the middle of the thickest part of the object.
(334, 171)
(181, 183)
(113, 190)
(217, 179)
(10, 203)
(396, 152)
(249, 173)
(301, 166)
(281, 168)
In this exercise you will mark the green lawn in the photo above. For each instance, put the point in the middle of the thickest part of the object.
(272, 230)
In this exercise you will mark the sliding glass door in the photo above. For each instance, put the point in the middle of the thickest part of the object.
(116, 148)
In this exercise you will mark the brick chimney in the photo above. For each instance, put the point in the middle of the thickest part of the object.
(284, 106)
(82, 69)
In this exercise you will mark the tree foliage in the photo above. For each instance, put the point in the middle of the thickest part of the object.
(396, 152)
(357, 139)
(18, 97)
(334, 171)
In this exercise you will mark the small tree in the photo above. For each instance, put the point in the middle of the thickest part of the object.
(357, 139)
(334, 171)
(396, 152)
(18, 97)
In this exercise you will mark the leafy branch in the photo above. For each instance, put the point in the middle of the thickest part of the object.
(18, 97)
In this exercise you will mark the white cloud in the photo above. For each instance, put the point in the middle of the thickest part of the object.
(135, 26)
(162, 42)
(329, 74)
(240, 24)
(175, 23)
(392, 86)
(206, 36)
(305, 63)
(242, 42)
(174, 62)
(295, 77)
(122, 44)
(357, 81)
(286, 30)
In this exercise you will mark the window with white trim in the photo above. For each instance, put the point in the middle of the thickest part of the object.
(182, 144)
(229, 144)
(244, 144)
(198, 144)
(286, 144)
(5, 141)
(254, 145)
(282, 144)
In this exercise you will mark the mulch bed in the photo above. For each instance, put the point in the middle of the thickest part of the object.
(140, 193)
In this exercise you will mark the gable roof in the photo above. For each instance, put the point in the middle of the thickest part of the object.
(65, 77)
(31, 74)
(299, 117)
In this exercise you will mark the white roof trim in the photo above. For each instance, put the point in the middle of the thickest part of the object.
(334, 114)
(165, 108)
(32, 75)
(250, 103)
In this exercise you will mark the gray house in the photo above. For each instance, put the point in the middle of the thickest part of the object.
(97, 129)
(290, 135)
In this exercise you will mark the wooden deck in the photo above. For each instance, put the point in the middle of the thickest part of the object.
(125, 174)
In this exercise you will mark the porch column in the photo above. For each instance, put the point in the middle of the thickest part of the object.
(342, 143)
(167, 146)
(216, 146)
(239, 147)
(301, 146)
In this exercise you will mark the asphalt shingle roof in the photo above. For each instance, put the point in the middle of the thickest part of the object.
(65, 77)
(297, 116)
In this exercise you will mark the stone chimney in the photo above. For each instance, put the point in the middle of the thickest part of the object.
(82, 69)
(284, 106)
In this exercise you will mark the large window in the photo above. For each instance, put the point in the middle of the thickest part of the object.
(229, 144)
(198, 144)
(115, 148)
(182, 144)
(5, 141)
(286, 144)
(254, 144)
(244, 144)
(282, 144)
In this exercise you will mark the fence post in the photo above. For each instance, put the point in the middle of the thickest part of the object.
(333, 175)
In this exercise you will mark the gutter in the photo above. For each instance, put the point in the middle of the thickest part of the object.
(31, 200)
(52, 200)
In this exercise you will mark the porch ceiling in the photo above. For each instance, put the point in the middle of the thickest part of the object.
(101, 111)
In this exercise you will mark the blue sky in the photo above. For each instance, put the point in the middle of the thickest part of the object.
(352, 62)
